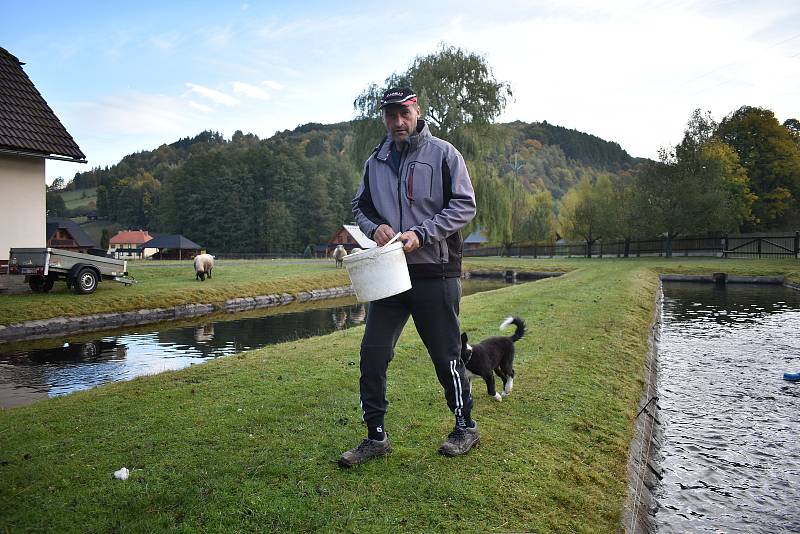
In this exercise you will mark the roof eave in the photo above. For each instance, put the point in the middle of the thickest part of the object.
(29, 153)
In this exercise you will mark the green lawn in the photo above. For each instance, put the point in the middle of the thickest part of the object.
(249, 442)
(79, 197)
(171, 283)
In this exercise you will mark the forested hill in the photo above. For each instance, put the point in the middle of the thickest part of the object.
(247, 194)
(580, 147)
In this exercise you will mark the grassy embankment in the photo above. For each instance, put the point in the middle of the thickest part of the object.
(171, 283)
(249, 442)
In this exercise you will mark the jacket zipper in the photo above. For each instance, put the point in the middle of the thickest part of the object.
(399, 185)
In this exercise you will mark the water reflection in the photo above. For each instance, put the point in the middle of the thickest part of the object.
(730, 421)
(55, 367)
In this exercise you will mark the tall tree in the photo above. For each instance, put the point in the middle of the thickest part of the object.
(586, 211)
(105, 239)
(771, 156)
(459, 97)
(457, 88)
(694, 192)
(54, 204)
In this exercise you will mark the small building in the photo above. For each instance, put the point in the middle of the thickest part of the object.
(350, 236)
(476, 239)
(30, 133)
(172, 247)
(66, 234)
(128, 244)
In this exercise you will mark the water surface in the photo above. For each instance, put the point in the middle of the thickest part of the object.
(730, 452)
(30, 371)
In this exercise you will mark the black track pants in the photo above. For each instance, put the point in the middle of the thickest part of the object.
(433, 304)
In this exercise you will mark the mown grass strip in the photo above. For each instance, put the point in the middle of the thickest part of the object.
(168, 284)
(249, 442)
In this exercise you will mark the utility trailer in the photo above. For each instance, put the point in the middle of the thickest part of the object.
(82, 272)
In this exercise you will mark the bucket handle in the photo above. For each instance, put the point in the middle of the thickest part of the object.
(392, 240)
(376, 252)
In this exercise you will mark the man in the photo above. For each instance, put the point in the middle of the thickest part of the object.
(416, 184)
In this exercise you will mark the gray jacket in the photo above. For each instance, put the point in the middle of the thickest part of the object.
(431, 195)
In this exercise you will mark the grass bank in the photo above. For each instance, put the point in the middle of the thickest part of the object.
(172, 283)
(249, 442)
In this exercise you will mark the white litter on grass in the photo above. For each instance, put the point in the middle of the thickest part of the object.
(122, 474)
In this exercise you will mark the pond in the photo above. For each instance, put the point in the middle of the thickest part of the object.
(729, 452)
(31, 371)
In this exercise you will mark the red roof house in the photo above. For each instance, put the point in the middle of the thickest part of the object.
(129, 243)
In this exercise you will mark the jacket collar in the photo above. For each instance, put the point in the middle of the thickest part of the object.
(415, 141)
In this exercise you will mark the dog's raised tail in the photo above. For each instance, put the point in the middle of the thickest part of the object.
(516, 321)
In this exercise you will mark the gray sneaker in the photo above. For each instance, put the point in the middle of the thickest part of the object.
(366, 450)
(460, 441)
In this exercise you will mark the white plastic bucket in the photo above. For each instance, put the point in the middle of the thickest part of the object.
(379, 272)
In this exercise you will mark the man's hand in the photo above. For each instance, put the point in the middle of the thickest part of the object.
(383, 234)
(410, 241)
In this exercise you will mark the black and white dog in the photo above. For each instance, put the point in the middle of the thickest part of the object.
(493, 354)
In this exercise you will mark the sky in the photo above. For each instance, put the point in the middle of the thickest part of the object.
(130, 76)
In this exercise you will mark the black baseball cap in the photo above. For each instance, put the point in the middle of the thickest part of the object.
(401, 96)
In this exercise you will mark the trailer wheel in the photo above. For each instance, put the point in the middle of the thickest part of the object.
(85, 282)
(48, 284)
(37, 283)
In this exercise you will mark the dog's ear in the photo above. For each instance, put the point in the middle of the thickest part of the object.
(464, 338)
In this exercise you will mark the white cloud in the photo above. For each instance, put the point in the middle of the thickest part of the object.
(275, 86)
(200, 107)
(252, 91)
(219, 37)
(132, 113)
(218, 97)
(626, 74)
(165, 42)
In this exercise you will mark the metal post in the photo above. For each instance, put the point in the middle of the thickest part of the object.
(759, 247)
(797, 245)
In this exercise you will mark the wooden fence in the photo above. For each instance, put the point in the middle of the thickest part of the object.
(722, 246)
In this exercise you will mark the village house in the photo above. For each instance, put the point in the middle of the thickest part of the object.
(66, 234)
(349, 236)
(475, 240)
(173, 247)
(128, 244)
(30, 133)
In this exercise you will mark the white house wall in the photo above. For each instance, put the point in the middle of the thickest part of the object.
(23, 221)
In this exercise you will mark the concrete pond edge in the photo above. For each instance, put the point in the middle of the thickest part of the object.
(643, 472)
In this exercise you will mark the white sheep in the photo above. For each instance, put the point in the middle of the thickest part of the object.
(203, 265)
(338, 254)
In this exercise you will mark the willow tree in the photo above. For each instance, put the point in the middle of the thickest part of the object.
(460, 98)
(456, 88)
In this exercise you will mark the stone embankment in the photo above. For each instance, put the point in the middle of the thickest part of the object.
(644, 471)
(59, 326)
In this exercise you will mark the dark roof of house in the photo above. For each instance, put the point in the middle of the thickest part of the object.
(172, 241)
(476, 237)
(77, 233)
(27, 124)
